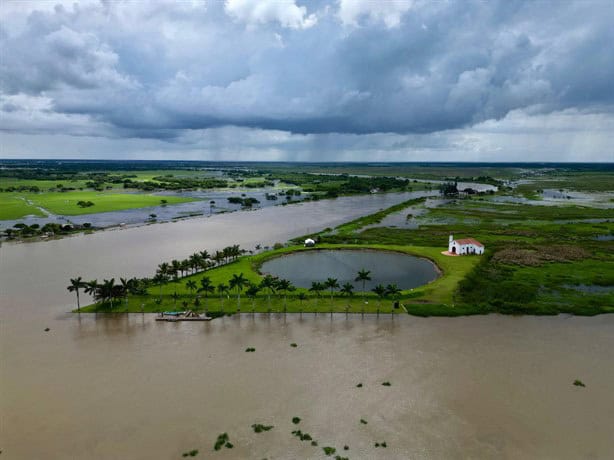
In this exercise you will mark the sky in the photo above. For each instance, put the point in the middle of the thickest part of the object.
(324, 80)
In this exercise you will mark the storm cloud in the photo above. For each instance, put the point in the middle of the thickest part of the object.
(312, 80)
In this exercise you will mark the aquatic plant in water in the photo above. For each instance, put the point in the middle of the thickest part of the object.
(222, 441)
(259, 428)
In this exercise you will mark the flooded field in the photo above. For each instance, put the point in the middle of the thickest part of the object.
(124, 386)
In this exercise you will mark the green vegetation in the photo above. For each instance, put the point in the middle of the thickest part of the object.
(14, 206)
(539, 259)
(259, 428)
(579, 383)
(68, 203)
(222, 441)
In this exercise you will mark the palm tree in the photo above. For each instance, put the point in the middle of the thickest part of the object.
(363, 275)
(284, 286)
(380, 290)
(194, 261)
(222, 289)
(91, 287)
(269, 282)
(175, 268)
(175, 297)
(160, 278)
(206, 286)
(347, 288)
(317, 287)
(204, 260)
(191, 285)
(75, 285)
(392, 290)
(238, 281)
(164, 268)
(251, 292)
(301, 296)
(126, 285)
(332, 284)
(185, 267)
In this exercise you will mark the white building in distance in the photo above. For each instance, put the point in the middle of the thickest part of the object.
(309, 243)
(465, 246)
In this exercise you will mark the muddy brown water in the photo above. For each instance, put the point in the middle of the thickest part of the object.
(126, 387)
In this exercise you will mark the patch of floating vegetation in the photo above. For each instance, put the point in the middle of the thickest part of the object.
(359, 385)
(302, 436)
(259, 428)
(579, 383)
(192, 453)
(329, 450)
(293, 345)
(386, 384)
(363, 421)
(381, 444)
(223, 441)
(250, 350)
(296, 420)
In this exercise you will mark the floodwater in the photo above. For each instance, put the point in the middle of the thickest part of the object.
(126, 387)
(386, 267)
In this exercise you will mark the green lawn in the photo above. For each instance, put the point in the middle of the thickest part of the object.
(65, 203)
(14, 206)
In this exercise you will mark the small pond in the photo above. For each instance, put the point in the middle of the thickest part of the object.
(302, 268)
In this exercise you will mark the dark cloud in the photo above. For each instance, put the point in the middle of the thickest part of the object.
(156, 69)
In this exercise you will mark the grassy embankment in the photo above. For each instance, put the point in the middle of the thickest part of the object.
(17, 205)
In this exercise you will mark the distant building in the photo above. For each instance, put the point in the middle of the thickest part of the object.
(465, 246)
(309, 243)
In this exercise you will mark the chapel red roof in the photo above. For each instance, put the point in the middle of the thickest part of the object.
(469, 241)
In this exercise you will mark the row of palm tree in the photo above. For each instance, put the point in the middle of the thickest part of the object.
(108, 291)
(198, 262)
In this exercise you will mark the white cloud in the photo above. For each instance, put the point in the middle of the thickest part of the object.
(286, 12)
(390, 12)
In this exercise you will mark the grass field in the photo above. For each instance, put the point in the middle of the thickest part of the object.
(14, 206)
(65, 203)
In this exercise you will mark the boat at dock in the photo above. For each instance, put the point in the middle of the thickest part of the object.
(189, 315)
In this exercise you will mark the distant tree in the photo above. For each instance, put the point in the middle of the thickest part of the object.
(449, 189)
